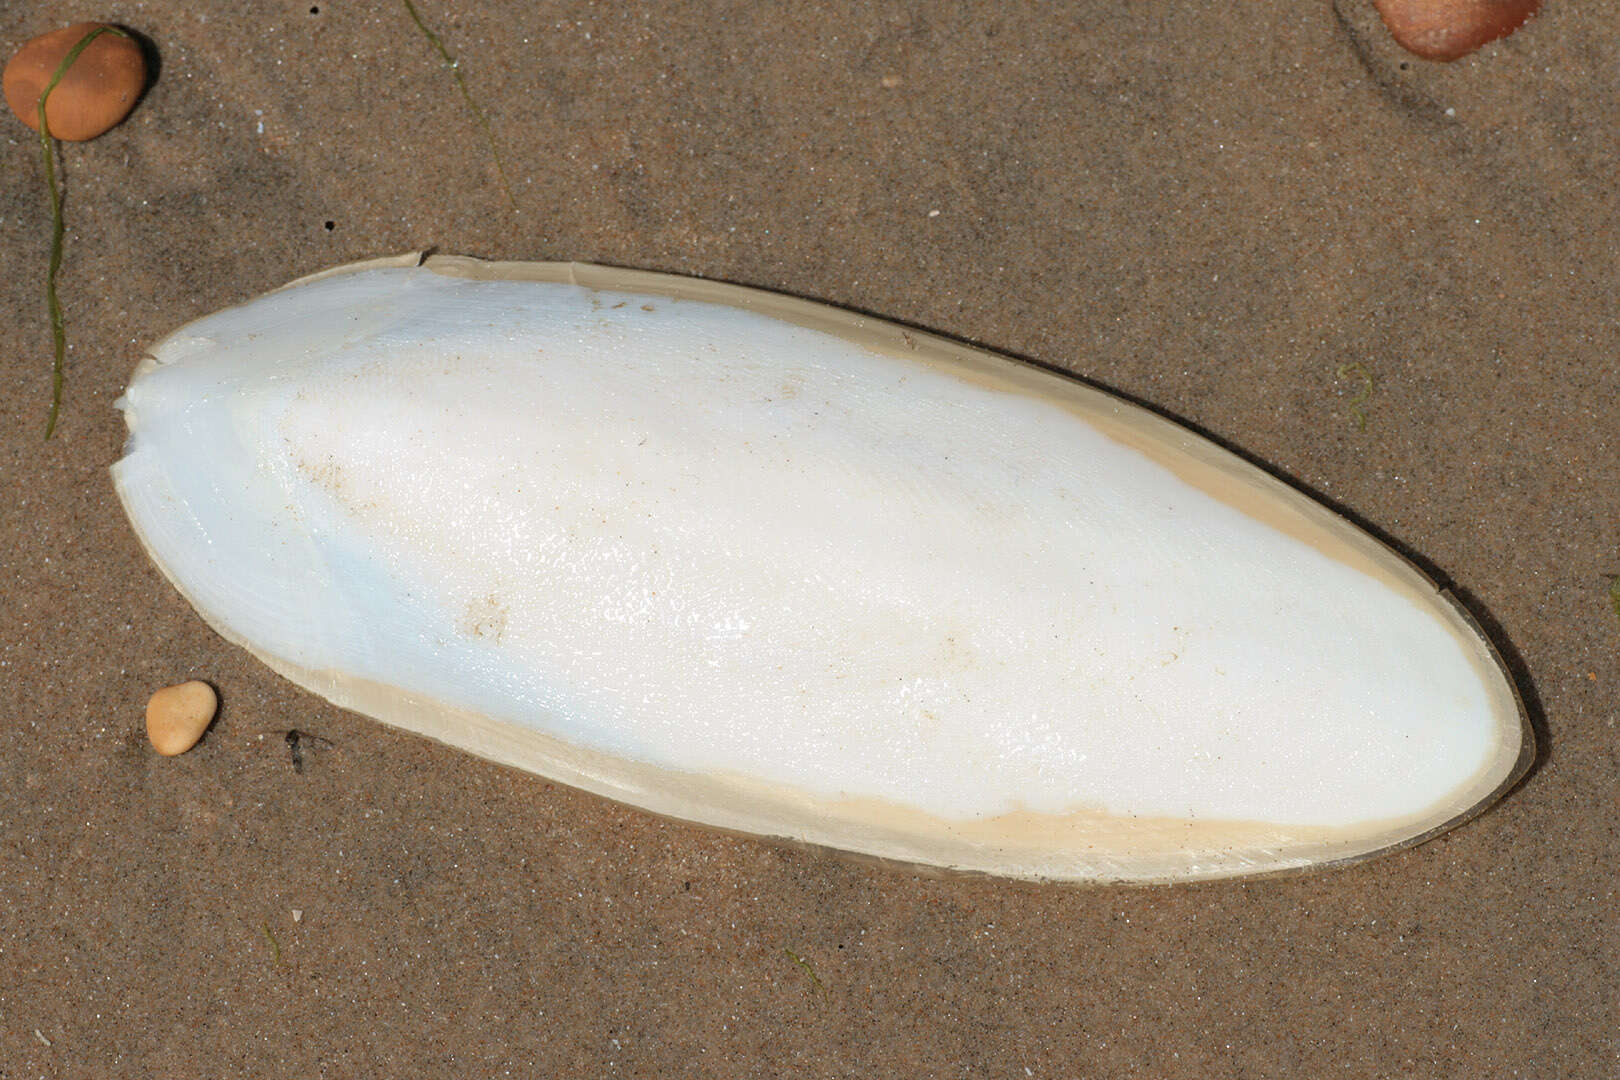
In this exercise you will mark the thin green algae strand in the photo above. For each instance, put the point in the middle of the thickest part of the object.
(275, 945)
(1358, 411)
(48, 155)
(461, 84)
(808, 970)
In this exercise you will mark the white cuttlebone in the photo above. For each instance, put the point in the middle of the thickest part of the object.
(774, 567)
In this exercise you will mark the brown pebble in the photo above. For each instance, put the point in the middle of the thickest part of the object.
(1447, 29)
(177, 716)
(95, 94)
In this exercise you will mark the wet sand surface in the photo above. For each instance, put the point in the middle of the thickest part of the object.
(1238, 216)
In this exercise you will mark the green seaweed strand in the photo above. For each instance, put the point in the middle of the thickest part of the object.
(808, 970)
(1357, 403)
(47, 154)
(461, 84)
(275, 945)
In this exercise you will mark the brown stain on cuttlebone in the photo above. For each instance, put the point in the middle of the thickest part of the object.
(484, 617)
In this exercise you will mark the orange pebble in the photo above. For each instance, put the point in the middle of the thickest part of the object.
(95, 93)
(1447, 29)
(177, 716)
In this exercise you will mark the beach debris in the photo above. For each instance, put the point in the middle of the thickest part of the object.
(298, 743)
(815, 980)
(466, 95)
(1358, 372)
(177, 716)
(94, 88)
(1448, 29)
(275, 946)
(74, 83)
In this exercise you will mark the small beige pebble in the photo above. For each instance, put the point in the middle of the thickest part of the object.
(298, 914)
(177, 716)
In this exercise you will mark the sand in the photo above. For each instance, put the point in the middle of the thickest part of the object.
(1216, 210)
